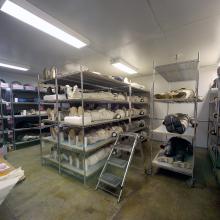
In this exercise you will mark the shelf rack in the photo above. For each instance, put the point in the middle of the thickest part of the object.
(213, 142)
(14, 105)
(2, 122)
(175, 73)
(5, 133)
(86, 80)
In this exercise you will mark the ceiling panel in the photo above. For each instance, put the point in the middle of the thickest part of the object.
(117, 28)
(107, 24)
(204, 36)
(174, 14)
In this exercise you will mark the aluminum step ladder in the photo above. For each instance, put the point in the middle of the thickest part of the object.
(124, 146)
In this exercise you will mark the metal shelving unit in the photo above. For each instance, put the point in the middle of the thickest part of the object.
(213, 128)
(175, 73)
(86, 81)
(2, 121)
(17, 106)
(5, 132)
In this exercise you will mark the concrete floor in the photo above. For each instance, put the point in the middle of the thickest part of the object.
(46, 195)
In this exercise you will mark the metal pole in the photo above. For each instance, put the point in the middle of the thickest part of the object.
(12, 116)
(129, 101)
(209, 121)
(39, 106)
(128, 164)
(58, 123)
(149, 171)
(217, 127)
(83, 127)
(2, 118)
(195, 114)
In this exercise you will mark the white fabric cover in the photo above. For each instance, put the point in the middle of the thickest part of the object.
(73, 111)
(95, 158)
(8, 181)
(98, 135)
(75, 93)
(72, 135)
(78, 120)
(119, 113)
(138, 99)
(102, 114)
(53, 97)
(95, 135)
(116, 130)
(136, 111)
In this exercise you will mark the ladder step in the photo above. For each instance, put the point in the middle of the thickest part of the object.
(118, 162)
(111, 180)
(123, 147)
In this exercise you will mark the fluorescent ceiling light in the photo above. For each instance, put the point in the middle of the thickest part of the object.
(33, 16)
(123, 66)
(13, 67)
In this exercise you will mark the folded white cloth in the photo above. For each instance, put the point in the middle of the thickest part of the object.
(102, 114)
(53, 97)
(98, 135)
(78, 120)
(96, 157)
(73, 93)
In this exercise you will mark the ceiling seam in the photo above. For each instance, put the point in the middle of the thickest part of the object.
(154, 16)
(149, 5)
(191, 23)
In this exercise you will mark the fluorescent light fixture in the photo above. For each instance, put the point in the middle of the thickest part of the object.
(123, 66)
(13, 67)
(33, 16)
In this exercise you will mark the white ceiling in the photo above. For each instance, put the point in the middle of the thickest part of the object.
(138, 31)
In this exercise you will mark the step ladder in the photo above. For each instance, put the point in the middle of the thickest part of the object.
(120, 158)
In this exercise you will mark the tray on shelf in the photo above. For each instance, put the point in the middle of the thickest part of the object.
(172, 167)
(75, 148)
(179, 71)
(140, 116)
(26, 142)
(25, 103)
(213, 90)
(91, 170)
(189, 133)
(89, 100)
(29, 116)
(192, 100)
(96, 123)
(138, 129)
(49, 121)
(90, 79)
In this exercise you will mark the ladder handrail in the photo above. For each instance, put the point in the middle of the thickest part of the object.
(126, 134)
(129, 161)
(106, 162)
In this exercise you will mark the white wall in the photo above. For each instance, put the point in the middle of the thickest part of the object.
(206, 76)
